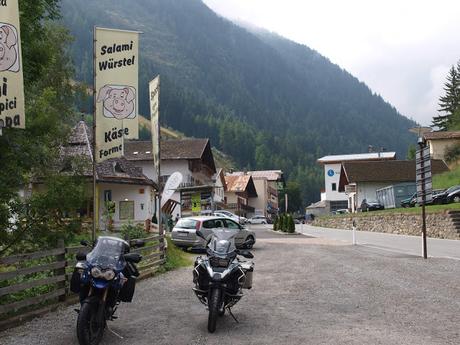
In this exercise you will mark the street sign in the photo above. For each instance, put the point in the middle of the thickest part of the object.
(423, 176)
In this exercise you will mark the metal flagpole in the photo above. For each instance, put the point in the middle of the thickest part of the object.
(93, 236)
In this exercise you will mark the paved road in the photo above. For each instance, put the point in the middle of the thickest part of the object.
(306, 291)
(399, 243)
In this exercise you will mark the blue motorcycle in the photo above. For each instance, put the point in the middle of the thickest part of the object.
(103, 278)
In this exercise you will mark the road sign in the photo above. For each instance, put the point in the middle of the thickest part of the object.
(423, 176)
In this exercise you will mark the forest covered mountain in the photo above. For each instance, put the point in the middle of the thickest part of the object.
(266, 101)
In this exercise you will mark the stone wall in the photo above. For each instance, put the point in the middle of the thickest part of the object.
(438, 225)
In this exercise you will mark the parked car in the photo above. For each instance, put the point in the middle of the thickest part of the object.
(449, 195)
(184, 236)
(341, 211)
(409, 202)
(258, 220)
(240, 219)
(371, 205)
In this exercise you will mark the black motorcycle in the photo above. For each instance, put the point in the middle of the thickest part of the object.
(103, 278)
(221, 276)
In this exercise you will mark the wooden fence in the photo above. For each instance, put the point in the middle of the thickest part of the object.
(34, 283)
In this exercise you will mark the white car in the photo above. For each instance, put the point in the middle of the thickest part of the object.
(184, 232)
(258, 220)
(239, 219)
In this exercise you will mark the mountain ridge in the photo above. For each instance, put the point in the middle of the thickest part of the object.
(266, 101)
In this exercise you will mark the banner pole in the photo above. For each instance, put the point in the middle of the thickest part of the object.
(160, 190)
(93, 235)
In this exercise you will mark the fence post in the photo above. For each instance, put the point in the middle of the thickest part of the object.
(61, 271)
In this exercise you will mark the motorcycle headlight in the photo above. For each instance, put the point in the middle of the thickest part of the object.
(108, 275)
(96, 272)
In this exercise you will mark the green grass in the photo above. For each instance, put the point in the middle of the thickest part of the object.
(176, 258)
(447, 179)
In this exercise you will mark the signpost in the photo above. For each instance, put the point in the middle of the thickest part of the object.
(424, 184)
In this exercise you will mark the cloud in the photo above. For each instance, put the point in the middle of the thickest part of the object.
(401, 49)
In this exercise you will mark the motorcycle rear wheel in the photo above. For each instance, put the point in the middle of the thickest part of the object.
(89, 331)
(214, 305)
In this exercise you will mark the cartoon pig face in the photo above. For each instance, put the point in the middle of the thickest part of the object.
(118, 102)
(8, 54)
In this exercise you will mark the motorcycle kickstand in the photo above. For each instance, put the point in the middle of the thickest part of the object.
(234, 317)
(113, 332)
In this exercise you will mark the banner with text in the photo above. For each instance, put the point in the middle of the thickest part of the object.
(11, 79)
(116, 87)
(154, 92)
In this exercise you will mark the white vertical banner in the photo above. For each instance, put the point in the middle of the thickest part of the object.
(154, 92)
(12, 114)
(116, 85)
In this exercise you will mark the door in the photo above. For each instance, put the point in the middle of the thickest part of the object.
(231, 225)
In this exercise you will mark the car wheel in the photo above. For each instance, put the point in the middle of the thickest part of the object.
(264, 222)
(456, 198)
(249, 238)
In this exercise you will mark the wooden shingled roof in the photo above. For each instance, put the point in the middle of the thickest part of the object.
(442, 135)
(385, 171)
(175, 149)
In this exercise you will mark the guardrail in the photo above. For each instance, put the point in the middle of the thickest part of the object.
(34, 283)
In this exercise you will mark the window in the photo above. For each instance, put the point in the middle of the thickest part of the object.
(185, 223)
(334, 186)
(232, 225)
(209, 224)
(126, 210)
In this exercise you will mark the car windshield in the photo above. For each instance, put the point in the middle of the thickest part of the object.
(372, 202)
(222, 242)
(185, 223)
(108, 253)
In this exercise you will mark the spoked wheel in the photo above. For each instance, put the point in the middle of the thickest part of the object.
(89, 330)
(214, 305)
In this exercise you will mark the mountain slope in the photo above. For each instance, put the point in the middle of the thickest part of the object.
(266, 101)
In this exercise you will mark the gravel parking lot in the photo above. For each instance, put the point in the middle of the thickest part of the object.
(306, 291)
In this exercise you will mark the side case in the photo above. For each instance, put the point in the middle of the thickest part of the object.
(248, 269)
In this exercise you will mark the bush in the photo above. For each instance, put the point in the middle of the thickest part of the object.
(291, 227)
(131, 231)
(285, 222)
(275, 224)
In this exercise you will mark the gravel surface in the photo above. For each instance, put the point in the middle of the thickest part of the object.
(306, 291)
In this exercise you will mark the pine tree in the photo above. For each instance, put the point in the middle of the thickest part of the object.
(450, 102)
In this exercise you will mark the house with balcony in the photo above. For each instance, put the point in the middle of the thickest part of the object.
(240, 194)
(192, 158)
(268, 185)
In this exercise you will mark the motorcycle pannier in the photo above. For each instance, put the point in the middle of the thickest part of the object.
(75, 281)
(248, 269)
(127, 291)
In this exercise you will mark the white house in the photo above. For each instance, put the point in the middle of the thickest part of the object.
(333, 198)
(192, 158)
(117, 180)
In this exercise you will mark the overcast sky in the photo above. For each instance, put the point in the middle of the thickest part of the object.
(402, 49)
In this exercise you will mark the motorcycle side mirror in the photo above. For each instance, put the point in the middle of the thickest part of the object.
(80, 256)
(246, 253)
(137, 243)
(133, 257)
(200, 234)
(84, 243)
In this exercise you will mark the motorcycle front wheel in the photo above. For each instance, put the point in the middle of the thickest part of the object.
(89, 329)
(214, 303)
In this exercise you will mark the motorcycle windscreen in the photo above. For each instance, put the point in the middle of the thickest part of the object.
(222, 242)
(108, 253)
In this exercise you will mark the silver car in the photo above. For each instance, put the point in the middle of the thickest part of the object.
(184, 232)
